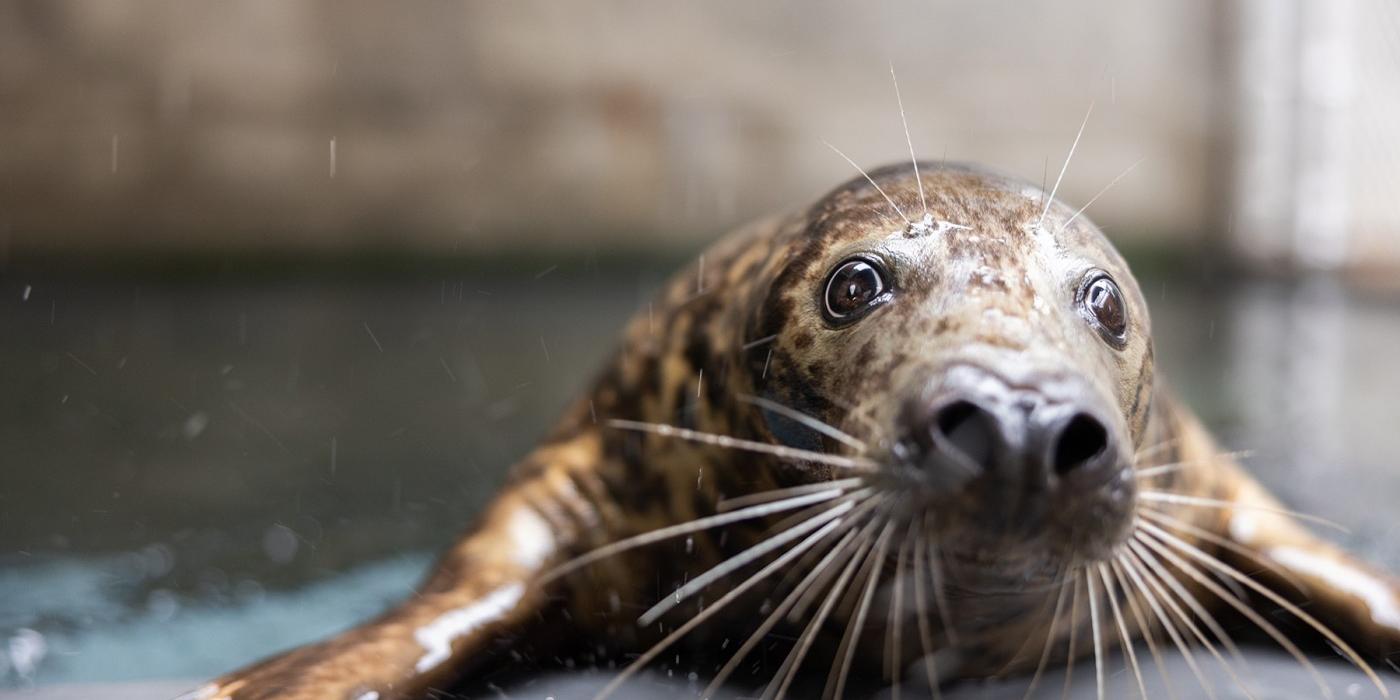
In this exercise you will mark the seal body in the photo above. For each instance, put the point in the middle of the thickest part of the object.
(914, 428)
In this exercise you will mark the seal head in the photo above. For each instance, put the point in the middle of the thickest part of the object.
(991, 349)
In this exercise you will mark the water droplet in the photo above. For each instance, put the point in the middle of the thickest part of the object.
(195, 425)
(280, 543)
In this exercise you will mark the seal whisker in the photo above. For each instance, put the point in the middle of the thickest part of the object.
(1073, 651)
(1151, 472)
(1194, 604)
(799, 516)
(759, 341)
(1044, 180)
(1154, 449)
(859, 413)
(884, 215)
(810, 421)
(940, 593)
(1130, 595)
(865, 536)
(1150, 594)
(1049, 639)
(1047, 607)
(921, 607)
(787, 672)
(686, 528)
(1101, 192)
(726, 441)
(923, 201)
(737, 561)
(1184, 500)
(710, 611)
(1109, 593)
(1159, 469)
(1220, 566)
(1233, 601)
(1056, 188)
(855, 518)
(1169, 521)
(873, 569)
(1094, 628)
(788, 601)
(871, 180)
(894, 624)
(1158, 575)
(749, 499)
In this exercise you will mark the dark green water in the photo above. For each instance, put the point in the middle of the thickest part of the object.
(194, 474)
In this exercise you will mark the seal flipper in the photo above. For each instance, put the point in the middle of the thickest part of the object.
(1241, 532)
(1356, 600)
(482, 590)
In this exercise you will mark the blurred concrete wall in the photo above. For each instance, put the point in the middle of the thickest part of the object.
(1316, 97)
(1373, 151)
(462, 126)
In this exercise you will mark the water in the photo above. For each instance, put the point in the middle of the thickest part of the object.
(196, 473)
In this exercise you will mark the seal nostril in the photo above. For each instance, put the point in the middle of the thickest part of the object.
(968, 429)
(1083, 439)
(954, 415)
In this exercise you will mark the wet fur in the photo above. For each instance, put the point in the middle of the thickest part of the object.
(743, 323)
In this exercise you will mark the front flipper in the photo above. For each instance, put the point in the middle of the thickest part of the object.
(484, 588)
(1240, 550)
(1358, 601)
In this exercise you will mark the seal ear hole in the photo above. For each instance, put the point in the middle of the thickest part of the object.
(1081, 442)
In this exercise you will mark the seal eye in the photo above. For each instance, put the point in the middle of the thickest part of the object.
(1102, 304)
(854, 288)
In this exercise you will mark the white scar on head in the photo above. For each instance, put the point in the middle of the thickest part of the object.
(928, 226)
(437, 636)
(1377, 596)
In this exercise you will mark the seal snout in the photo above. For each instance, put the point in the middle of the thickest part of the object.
(983, 435)
(1030, 455)
(1025, 432)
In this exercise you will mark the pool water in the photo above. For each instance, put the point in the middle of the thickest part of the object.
(194, 474)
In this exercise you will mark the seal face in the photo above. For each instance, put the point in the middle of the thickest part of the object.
(915, 426)
(984, 353)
